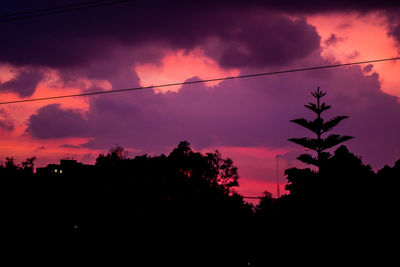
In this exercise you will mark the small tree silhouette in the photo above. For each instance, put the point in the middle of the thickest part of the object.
(319, 127)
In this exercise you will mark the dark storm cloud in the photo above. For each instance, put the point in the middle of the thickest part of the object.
(76, 39)
(118, 69)
(53, 122)
(274, 40)
(316, 6)
(393, 19)
(250, 33)
(24, 83)
(395, 30)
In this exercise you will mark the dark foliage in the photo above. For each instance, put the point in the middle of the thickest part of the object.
(179, 208)
(345, 212)
(341, 212)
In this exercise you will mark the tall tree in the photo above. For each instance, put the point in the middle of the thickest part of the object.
(319, 127)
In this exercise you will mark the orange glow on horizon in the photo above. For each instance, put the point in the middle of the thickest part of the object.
(257, 168)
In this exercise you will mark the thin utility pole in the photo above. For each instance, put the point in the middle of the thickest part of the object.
(278, 193)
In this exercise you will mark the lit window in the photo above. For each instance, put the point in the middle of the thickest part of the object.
(55, 170)
(60, 171)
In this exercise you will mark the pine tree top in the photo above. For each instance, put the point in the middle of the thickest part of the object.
(318, 126)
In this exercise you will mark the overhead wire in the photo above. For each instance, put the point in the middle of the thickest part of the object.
(32, 11)
(198, 81)
(58, 10)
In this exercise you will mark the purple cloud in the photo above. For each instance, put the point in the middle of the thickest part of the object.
(247, 112)
(393, 24)
(395, 31)
(332, 40)
(53, 122)
(368, 68)
(313, 6)
(270, 41)
(24, 84)
(69, 146)
(5, 121)
(105, 43)
(79, 38)
(41, 148)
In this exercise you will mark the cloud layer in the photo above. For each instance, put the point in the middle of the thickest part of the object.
(78, 38)
(24, 83)
(53, 122)
(243, 113)
(6, 122)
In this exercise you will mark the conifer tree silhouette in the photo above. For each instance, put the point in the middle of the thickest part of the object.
(319, 127)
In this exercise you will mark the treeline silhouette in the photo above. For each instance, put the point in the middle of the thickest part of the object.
(165, 204)
(183, 207)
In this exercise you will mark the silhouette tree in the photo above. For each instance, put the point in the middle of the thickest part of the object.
(115, 156)
(28, 165)
(265, 206)
(387, 187)
(319, 127)
(183, 202)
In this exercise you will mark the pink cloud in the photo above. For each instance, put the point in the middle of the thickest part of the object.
(178, 66)
(356, 45)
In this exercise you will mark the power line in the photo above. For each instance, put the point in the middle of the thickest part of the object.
(58, 10)
(198, 81)
(251, 197)
(278, 192)
(29, 12)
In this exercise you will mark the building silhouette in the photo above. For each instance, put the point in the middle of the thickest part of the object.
(66, 167)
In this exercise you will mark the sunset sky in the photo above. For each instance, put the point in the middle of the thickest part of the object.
(145, 43)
